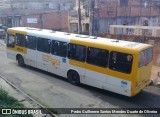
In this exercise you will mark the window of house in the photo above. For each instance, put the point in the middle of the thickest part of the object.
(121, 62)
(43, 45)
(123, 3)
(46, 5)
(31, 42)
(98, 57)
(77, 52)
(59, 48)
(20, 40)
(58, 7)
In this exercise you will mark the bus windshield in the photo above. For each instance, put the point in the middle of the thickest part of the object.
(145, 57)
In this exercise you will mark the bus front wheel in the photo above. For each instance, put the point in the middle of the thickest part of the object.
(73, 77)
(20, 61)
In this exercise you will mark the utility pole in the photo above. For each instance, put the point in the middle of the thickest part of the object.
(141, 12)
(91, 27)
(116, 11)
(12, 17)
(41, 19)
(79, 18)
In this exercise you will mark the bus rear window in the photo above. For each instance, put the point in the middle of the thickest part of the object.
(145, 57)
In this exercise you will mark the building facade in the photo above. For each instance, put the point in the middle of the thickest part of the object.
(50, 14)
(103, 13)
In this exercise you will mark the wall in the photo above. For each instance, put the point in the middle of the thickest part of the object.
(102, 24)
(49, 19)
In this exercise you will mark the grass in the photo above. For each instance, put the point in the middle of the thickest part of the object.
(7, 101)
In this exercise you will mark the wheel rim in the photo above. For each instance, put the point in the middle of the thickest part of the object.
(20, 61)
(73, 77)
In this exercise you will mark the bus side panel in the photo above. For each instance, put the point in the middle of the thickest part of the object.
(12, 52)
(94, 79)
(41, 63)
(118, 85)
(98, 77)
(31, 58)
(79, 67)
(58, 65)
(107, 82)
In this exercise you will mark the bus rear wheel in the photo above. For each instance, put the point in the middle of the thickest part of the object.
(73, 78)
(21, 61)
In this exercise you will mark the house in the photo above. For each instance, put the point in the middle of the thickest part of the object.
(103, 13)
(50, 14)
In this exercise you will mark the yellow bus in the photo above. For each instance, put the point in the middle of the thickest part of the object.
(119, 66)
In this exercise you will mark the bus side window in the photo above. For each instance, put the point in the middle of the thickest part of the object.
(77, 52)
(112, 61)
(59, 48)
(10, 40)
(20, 40)
(31, 42)
(43, 45)
(98, 57)
(121, 62)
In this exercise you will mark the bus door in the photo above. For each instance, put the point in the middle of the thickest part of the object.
(11, 41)
(17, 46)
(31, 56)
(58, 61)
(43, 53)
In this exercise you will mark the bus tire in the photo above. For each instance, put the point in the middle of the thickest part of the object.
(73, 77)
(20, 61)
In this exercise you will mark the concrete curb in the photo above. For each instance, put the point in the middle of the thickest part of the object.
(20, 97)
